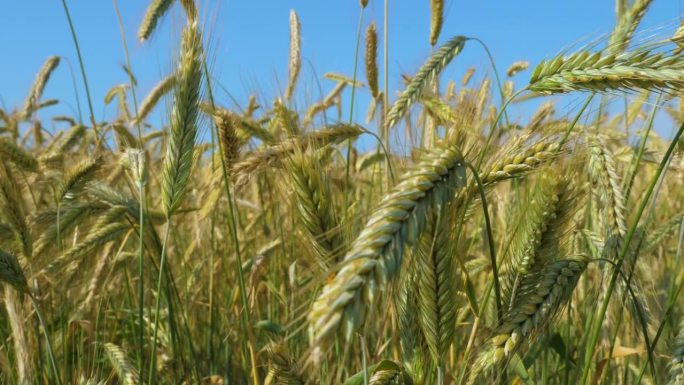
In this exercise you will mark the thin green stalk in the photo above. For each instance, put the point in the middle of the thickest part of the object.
(83, 73)
(141, 194)
(496, 74)
(50, 352)
(631, 175)
(353, 93)
(162, 262)
(596, 327)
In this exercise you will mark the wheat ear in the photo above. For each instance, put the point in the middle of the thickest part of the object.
(371, 59)
(162, 88)
(627, 23)
(436, 20)
(39, 85)
(429, 71)
(155, 11)
(638, 70)
(180, 154)
(121, 364)
(375, 256)
(295, 63)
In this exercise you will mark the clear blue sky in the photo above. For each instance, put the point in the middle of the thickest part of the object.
(249, 40)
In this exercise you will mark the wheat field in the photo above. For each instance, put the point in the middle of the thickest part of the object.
(262, 246)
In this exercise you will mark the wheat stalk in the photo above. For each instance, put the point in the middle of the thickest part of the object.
(180, 153)
(371, 60)
(638, 70)
(295, 63)
(155, 11)
(429, 71)
(436, 20)
(376, 254)
(162, 88)
(39, 86)
(123, 367)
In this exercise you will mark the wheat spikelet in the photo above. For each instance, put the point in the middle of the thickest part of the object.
(282, 370)
(376, 254)
(638, 70)
(427, 73)
(155, 11)
(162, 88)
(39, 85)
(517, 67)
(121, 364)
(295, 63)
(259, 160)
(180, 153)
(371, 59)
(676, 370)
(539, 305)
(17, 155)
(627, 23)
(436, 20)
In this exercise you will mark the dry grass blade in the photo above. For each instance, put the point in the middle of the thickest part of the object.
(295, 63)
(39, 85)
(155, 11)
(376, 254)
(180, 154)
(121, 364)
(429, 71)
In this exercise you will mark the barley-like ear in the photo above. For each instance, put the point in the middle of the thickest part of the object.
(375, 256)
(124, 368)
(627, 23)
(676, 371)
(638, 70)
(155, 11)
(295, 63)
(77, 178)
(227, 124)
(314, 203)
(437, 284)
(372, 59)
(517, 67)
(164, 86)
(11, 272)
(258, 160)
(180, 154)
(39, 85)
(436, 20)
(17, 155)
(538, 307)
(282, 370)
(429, 71)
(13, 208)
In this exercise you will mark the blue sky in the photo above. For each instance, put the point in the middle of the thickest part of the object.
(248, 42)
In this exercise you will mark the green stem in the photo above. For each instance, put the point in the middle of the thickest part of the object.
(83, 73)
(51, 354)
(162, 262)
